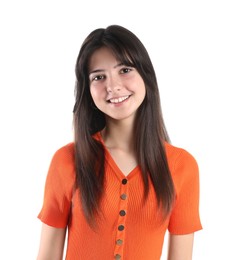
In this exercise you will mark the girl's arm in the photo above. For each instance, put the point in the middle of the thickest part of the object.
(51, 243)
(180, 247)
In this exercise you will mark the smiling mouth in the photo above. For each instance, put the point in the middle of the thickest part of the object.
(118, 100)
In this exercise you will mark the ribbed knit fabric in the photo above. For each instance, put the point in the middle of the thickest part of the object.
(128, 229)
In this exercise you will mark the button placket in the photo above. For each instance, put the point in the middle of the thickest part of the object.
(121, 223)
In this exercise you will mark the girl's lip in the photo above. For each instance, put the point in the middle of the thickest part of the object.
(116, 100)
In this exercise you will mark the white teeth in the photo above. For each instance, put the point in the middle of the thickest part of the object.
(118, 100)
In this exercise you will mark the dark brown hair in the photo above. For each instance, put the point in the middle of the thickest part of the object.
(150, 132)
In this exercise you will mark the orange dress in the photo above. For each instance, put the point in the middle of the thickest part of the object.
(128, 228)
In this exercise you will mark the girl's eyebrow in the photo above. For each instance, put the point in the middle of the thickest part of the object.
(95, 71)
(101, 70)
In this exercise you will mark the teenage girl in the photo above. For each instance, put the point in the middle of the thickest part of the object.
(120, 185)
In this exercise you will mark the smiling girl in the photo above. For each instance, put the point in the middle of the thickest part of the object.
(120, 185)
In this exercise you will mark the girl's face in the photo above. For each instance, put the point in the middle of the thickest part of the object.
(117, 90)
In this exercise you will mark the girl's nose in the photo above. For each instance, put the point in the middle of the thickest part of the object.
(113, 84)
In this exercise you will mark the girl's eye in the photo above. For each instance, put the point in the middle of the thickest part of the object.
(97, 78)
(125, 70)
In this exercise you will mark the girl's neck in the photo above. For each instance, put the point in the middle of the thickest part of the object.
(118, 135)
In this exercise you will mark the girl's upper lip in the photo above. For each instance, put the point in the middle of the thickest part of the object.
(117, 97)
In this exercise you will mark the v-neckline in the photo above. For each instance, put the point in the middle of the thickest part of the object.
(113, 164)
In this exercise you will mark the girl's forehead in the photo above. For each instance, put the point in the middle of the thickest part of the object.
(102, 56)
(103, 52)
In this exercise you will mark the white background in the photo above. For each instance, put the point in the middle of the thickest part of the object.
(194, 48)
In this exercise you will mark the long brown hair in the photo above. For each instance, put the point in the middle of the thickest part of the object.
(150, 132)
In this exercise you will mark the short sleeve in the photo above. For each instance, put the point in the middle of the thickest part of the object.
(58, 189)
(185, 216)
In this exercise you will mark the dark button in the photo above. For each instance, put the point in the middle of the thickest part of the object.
(121, 227)
(124, 181)
(117, 256)
(119, 242)
(122, 213)
(123, 196)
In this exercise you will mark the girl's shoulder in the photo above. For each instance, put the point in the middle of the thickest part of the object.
(180, 160)
(63, 159)
(65, 152)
